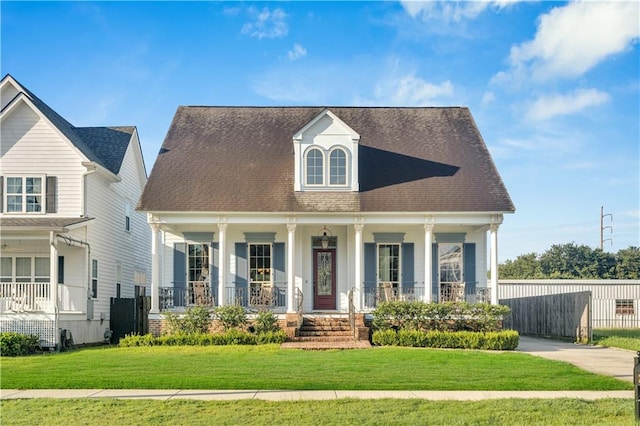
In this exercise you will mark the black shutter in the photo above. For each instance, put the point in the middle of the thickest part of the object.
(52, 183)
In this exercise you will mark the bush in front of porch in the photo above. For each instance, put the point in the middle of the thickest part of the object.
(194, 328)
(442, 325)
(16, 344)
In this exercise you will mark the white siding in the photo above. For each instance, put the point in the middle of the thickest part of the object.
(31, 147)
(110, 242)
(8, 93)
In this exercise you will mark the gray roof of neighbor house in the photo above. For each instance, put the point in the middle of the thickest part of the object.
(103, 145)
(240, 159)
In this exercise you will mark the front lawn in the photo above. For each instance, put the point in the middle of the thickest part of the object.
(269, 367)
(339, 412)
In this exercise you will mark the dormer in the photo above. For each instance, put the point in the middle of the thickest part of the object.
(326, 155)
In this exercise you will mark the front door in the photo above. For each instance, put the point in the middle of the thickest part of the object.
(324, 279)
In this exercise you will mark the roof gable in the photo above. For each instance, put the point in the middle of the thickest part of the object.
(104, 146)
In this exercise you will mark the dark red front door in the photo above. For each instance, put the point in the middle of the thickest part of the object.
(324, 279)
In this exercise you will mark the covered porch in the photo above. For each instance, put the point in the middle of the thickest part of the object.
(293, 263)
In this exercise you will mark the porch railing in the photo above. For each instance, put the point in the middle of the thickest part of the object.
(196, 294)
(272, 298)
(385, 293)
(25, 297)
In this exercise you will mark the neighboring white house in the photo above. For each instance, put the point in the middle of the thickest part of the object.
(297, 208)
(71, 238)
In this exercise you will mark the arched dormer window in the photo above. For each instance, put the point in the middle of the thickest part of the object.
(337, 167)
(315, 167)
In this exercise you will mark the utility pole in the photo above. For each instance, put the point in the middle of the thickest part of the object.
(602, 228)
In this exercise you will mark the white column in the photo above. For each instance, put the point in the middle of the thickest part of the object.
(358, 268)
(428, 263)
(291, 273)
(222, 264)
(494, 264)
(155, 269)
(53, 270)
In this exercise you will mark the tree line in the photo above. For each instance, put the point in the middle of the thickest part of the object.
(573, 261)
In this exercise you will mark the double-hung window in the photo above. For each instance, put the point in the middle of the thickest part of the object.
(21, 269)
(389, 267)
(94, 278)
(25, 194)
(260, 272)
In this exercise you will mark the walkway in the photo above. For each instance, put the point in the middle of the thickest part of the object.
(613, 362)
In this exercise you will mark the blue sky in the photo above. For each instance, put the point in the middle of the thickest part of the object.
(554, 86)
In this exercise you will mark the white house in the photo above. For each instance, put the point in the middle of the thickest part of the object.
(300, 208)
(71, 238)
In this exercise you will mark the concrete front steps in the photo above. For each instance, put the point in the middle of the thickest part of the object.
(320, 332)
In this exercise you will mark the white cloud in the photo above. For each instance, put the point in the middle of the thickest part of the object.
(408, 90)
(572, 39)
(488, 98)
(297, 52)
(450, 11)
(267, 24)
(546, 107)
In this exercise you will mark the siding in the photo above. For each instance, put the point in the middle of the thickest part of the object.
(603, 299)
(30, 146)
(110, 242)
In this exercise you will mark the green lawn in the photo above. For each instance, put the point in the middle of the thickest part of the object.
(338, 412)
(624, 338)
(269, 367)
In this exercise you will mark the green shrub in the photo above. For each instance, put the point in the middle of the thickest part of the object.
(230, 337)
(447, 316)
(231, 316)
(266, 322)
(194, 320)
(387, 337)
(494, 340)
(278, 336)
(16, 344)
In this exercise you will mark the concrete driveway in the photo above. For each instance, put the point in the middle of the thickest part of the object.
(613, 362)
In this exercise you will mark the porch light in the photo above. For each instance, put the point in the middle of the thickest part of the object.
(324, 239)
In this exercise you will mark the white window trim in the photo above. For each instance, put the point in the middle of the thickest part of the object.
(380, 281)
(347, 169)
(95, 278)
(271, 268)
(43, 193)
(127, 217)
(306, 166)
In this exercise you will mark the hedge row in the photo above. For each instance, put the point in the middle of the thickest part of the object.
(16, 344)
(496, 340)
(448, 316)
(230, 337)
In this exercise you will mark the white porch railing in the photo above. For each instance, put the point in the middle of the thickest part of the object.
(25, 297)
(37, 297)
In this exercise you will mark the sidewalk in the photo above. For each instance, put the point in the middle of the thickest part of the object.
(272, 395)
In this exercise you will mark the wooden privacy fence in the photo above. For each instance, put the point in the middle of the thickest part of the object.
(566, 315)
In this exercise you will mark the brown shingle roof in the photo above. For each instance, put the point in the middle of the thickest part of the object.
(241, 159)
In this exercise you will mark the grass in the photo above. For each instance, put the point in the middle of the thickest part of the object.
(335, 412)
(624, 338)
(269, 367)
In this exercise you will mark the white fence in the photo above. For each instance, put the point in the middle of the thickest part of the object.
(614, 303)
